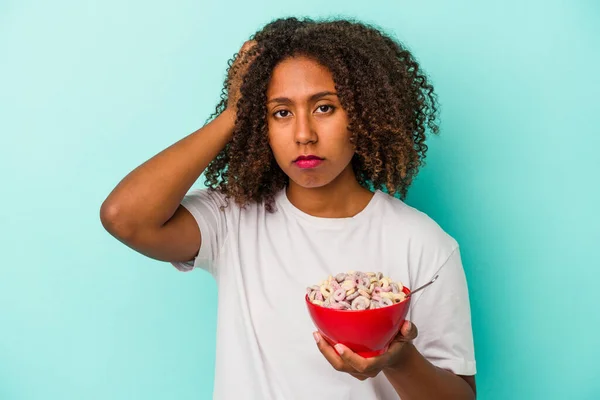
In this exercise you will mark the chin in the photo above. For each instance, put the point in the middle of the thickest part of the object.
(311, 182)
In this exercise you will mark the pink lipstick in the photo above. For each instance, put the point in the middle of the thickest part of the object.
(308, 161)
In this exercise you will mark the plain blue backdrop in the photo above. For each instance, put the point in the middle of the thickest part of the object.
(91, 89)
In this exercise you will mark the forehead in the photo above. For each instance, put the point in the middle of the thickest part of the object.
(298, 77)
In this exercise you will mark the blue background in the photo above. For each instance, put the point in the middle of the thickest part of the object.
(89, 90)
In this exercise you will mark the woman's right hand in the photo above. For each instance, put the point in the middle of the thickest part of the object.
(236, 74)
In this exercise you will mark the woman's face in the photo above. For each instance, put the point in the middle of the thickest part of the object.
(305, 118)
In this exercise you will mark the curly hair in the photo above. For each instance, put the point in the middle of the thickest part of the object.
(388, 99)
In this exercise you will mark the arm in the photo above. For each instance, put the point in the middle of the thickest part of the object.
(416, 378)
(443, 316)
(444, 312)
(144, 212)
(408, 371)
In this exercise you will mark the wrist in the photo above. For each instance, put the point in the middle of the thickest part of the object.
(227, 119)
(403, 360)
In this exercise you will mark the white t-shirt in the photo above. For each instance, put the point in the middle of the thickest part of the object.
(263, 263)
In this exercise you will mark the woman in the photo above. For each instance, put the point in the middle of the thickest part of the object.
(319, 126)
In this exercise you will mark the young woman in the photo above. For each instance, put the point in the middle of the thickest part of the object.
(307, 159)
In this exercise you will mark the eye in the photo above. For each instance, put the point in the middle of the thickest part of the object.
(324, 109)
(276, 113)
(327, 108)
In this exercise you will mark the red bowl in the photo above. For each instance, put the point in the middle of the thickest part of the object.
(366, 332)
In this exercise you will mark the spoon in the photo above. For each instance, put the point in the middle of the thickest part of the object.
(422, 287)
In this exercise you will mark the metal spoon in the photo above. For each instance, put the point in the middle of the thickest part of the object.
(422, 287)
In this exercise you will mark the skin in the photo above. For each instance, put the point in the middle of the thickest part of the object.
(305, 117)
(412, 375)
(318, 126)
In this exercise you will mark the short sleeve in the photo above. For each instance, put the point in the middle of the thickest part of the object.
(205, 207)
(442, 315)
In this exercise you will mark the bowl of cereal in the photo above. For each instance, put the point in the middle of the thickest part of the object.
(361, 310)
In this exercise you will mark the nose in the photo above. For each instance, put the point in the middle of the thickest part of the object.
(304, 130)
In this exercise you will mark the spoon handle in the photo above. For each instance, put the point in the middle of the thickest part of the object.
(423, 287)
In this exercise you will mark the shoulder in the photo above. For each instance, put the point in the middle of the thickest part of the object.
(220, 205)
(207, 197)
(416, 225)
(419, 241)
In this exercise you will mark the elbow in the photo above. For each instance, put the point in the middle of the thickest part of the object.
(113, 221)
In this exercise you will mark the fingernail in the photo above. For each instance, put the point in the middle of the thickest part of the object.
(316, 336)
(409, 326)
(339, 349)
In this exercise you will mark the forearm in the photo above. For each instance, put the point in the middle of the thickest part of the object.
(150, 194)
(415, 378)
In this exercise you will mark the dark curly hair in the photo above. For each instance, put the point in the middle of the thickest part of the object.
(387, 97)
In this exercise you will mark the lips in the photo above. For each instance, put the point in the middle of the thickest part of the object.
(309, 157)
(308, 162)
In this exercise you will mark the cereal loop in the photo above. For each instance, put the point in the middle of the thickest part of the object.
(356, 290)
(339, 294)
(360, 303)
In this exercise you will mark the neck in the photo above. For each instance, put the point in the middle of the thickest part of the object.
(342, 198)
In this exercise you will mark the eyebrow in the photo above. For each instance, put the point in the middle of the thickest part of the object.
(311, 98)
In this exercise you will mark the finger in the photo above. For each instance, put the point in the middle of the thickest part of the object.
(362, 365)
(408, 332)
(395, 349)
(329, 353)
(358, 376)
(248, 45)
(246, 49)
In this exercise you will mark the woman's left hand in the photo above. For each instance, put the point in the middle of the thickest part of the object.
(362, 368)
